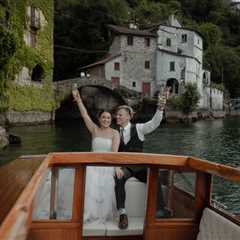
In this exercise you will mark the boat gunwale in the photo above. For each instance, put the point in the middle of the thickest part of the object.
(24, 204)
(146, 159)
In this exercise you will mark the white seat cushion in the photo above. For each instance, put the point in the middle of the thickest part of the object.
(135, 198)
(94, 229)
(213, 226)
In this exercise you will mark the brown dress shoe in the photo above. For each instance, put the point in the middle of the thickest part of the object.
(123, 221)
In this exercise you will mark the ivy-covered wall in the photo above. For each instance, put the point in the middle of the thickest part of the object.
(30, 97)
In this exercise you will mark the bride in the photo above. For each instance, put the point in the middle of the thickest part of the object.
(99, 204)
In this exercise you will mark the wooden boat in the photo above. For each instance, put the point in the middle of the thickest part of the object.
(193, 215)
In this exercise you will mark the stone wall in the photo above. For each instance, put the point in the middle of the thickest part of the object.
(30, 117)
(212, 99)
(192, 47)
(217, 99)
(134, 57)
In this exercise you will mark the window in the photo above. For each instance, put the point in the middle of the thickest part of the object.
(130, 40)
(172, 66)
(184, 38)
(147, 64)
(37, 73)
(176, 194)
(168, 42)
(147, 42)
(35, 18)
(33, 38)
(117, 66)
(183, 73)
(58, 184)
(133, 84)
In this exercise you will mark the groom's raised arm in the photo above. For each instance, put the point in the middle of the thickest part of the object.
(150, 126)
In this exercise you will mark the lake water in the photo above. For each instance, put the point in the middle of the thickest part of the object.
(215, 140)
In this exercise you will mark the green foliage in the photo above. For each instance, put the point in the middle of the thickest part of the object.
(219, 86)
(24, 98)
(150, 12)
(190, 98)
(7, 46)
(174, 102)
(83, 25)
(30, 98)
(211, 33)
(7, 50)
(230, 70)
(188, 101)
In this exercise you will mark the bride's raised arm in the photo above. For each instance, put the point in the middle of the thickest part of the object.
(88, 121)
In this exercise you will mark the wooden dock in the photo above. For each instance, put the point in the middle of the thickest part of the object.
(14, 177)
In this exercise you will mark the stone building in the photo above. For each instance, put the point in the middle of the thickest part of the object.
(131, 60)
(235, 5)
(148, 60)
(179, 58)
(29, 92)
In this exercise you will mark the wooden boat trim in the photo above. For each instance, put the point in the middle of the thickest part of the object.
(216, 169)
(163, 160)
(16, 219)
(54, 224)
(117, 159)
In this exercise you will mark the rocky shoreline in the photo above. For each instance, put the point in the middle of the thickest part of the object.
(6, 138)
(3, 138)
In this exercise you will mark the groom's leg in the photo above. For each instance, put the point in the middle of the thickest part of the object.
(120, 188)
(141, 174)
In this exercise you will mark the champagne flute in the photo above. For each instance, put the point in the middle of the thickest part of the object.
(163, 96)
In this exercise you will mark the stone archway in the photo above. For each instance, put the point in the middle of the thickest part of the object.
(95, 99)
(174, 84)
(38, 73)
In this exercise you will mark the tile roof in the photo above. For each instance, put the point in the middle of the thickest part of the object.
(128, 31)
(102, 61)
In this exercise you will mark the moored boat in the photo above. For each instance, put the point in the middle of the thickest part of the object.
(52, 204)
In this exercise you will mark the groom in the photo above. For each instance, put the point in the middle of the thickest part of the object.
(132, 138)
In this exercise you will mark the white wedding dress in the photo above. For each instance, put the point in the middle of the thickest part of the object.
(100, 202)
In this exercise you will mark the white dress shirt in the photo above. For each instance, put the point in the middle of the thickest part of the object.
(143, 128)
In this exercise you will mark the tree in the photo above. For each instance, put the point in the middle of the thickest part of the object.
(212, 34)
(190, 98)
(81, 35)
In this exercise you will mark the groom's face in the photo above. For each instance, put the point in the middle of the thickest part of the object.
(122, 117)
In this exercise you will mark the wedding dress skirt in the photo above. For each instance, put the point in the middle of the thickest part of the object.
(100, 202)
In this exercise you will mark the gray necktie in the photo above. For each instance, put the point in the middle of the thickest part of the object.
(121, 134)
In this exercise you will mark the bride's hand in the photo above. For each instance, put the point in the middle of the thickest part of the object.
(119, 172)
(76, 95)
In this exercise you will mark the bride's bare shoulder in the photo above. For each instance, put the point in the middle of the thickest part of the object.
(115, 132)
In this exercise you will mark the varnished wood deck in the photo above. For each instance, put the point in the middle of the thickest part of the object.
(14, 177)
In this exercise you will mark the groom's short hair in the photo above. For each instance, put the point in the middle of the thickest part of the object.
(126, 108)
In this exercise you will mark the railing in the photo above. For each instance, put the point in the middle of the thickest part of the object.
(18, 222)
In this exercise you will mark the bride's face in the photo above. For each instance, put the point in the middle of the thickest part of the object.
(105, 119)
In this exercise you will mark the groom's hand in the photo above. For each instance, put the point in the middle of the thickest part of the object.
(119, 172)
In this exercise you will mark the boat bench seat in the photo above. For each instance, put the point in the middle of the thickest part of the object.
(213, 226)
(111, 228)
(135, 206)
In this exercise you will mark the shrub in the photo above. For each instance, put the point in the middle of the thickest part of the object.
(188, 101)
